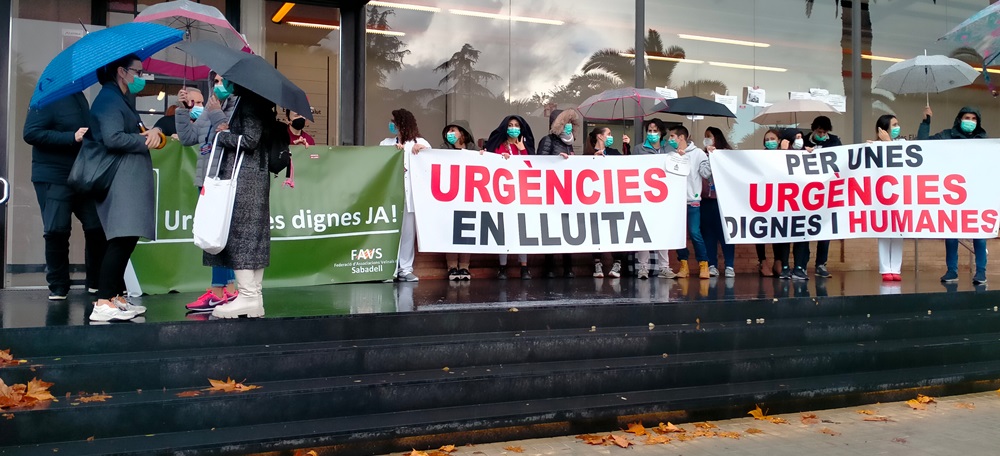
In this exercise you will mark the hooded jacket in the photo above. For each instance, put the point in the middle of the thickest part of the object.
(463, 127)
(499, 136)
(552, 143)
(700, 169)
(955, 132)
(832, 140)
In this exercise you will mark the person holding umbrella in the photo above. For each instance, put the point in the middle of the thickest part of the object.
(968, 125)
(127, 211)
(512, 137)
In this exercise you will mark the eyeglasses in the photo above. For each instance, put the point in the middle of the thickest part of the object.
(138, 71)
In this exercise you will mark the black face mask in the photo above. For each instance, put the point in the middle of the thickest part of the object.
(299, 123)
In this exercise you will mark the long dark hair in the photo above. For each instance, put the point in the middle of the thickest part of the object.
(719, 138)
(406, 124)
(592, 137)
(884, 122)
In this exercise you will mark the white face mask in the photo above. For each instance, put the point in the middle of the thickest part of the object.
(708, 142)
(798, 143)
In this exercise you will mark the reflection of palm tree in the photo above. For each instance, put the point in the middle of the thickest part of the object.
(464, 78)
(384, 52)
(622, 68)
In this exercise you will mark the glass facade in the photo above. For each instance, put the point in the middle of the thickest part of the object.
(480, 60)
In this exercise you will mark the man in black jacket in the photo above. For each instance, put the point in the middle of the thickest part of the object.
(819, 137)
(56, 132)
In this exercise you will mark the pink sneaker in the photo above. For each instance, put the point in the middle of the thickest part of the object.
(231, 296)
(206, 302)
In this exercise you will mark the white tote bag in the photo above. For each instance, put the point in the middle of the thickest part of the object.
(214, 212)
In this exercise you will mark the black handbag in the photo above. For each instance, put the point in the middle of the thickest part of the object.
(94, 168)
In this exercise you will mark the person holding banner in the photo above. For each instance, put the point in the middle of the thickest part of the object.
(820, 137)
(600, 140)
(968, 125)
(712, 228)
(559, 141)
(456, 136)
(699, 169)
(407, 139)
(890, 250)
(512, 137)
(654, 144)
(774, 140)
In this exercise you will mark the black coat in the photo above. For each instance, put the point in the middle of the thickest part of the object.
(553, 145)
(499, 136)
(52, 133)
(831, 141)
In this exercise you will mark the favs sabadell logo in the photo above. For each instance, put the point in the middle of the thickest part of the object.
(366, 254)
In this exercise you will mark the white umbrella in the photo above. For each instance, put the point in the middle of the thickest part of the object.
(788, 112)
(619, 104)
(926, 74)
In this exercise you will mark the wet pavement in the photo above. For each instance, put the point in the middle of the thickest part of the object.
(30, 308)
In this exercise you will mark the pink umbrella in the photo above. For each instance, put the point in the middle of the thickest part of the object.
(199, 23)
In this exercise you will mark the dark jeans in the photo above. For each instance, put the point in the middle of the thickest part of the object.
(694, 232)
(781, 252)
(58, 204)
(567, 263)
(951, 254)
(113, 268)
(711, 229)
(822, 253)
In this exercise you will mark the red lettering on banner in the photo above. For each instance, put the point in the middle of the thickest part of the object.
(787, 193)
(925, 185)
(811, 201)
(857, 221)
(477, 178)
(653, 177)
(836, 191)
(880, 193)
(768, 202)
(594, 196)
(624, 185)
(859, 191)
(436, 183)
(609, 187)
(990, 220)
(504, 193)
(526, 187)
(953, 183)
(947, 221)
(969, 219)
(924, 223)
(554, 186)
(907, 189)
(902, 221)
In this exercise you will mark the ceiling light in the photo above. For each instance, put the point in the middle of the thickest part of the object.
(881, 58)
(505, 17)
(661, 58)
(282, 12)
(159, 96)
(385, 32)
(313, 25)
(748, 67)
(722, 40)
(406, 6)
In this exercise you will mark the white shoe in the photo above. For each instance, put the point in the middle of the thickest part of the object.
(730, 272)
(643, 272)
(109, 313)
(616, 270)
(122, 303)
(713, 271)
(667, 273)
(598, 270)
(249, 301)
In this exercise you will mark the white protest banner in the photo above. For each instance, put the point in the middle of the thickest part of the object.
(467, 202)
(922, 189)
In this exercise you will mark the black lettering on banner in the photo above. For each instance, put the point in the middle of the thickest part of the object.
(792, 161)
(522, 229)
(461, 226)
(581, 229)
(595, 228)
(916, 159)
(489, 227)
(614, 218)
(894, 156)
(637, 228)
(815, 224)
(546, 239)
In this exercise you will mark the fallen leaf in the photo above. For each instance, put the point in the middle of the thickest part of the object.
(966, 405)
(883, 419)
(620, 441)
(10, 396)
(90, 439)
(37, 391)
(6, 359)
(705, 425)
(925, 399)
(829, 431)
(636, 428)
(8, 416)
(514, 449)
(668, 428)
(758, 414)
(753, 431)
(437, 453)
(729, 435)
(445, 368)
(94, 398)
(866, 412)
(229, 386)
(899, 440)
(656, 439)
(916, 405)
(703, 433)
(189, 394)
(777, 420)
(447, 448)
(809, 418)
(416, 453)
(591, 439)
(686, 437)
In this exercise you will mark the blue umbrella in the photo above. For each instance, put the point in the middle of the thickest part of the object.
(75, 68)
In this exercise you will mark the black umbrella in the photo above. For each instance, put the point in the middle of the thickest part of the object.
(695, 106)
(252, 73)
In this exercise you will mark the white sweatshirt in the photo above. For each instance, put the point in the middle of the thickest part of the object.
(700, 169)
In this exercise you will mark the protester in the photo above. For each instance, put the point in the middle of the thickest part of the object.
(968, 125)
(56, 133)
(456, 136)
(698, 171)
(600, 140)
(711, 217)
(890, 250)
(166, 124)
(127, 211)
(653, 144)
(512, 137)
(407, 139)
(248, 247)
(777, 140)
(559, 141)
(196, 126)
(820, 137)
(295, 133)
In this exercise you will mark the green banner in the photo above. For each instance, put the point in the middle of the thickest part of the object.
(339, 224)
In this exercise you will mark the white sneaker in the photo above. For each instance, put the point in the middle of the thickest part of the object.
(713, 271)
(598, 270)
(616, 270)
(667, 273)
(408, 277)
(643, 272)
(123, 304)
(730, 272)
(109, 313)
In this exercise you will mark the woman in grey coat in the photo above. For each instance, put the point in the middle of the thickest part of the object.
(127, 212)
(248, 249)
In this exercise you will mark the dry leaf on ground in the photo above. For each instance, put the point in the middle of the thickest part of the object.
(703, 433)
(8, 416)
(188, 394)
(753, 431)
(6, 359)
(591, 439)
(916, 405)
(966, 405)
(620, 441)
(447, 448)
(884, 419)
(705, 425)
(899, 440)
(416, 453)
(686, 437)
(668, 428)
(636, 428)
(866, 412)
(90, 439)
(656, 439)
(96, 397)
(829, 431)
(229, 386)
(729, 435)
(777, 420)
(38, 390)
(925, 399)
(514, 449)
(809, 418)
